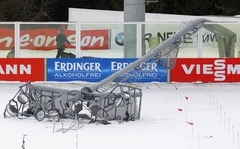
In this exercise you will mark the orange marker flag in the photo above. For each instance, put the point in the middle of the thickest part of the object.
(191, 123)
(180, 109)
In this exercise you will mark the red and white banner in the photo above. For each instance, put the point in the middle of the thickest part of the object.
(6, 38)
(24, 70)
(45, 39)
(206, 70)
(95, 40)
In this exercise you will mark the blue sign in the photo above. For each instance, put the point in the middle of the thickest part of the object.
(96, 69)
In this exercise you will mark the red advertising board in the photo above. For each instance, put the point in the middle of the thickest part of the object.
(95, 39)
(45, 39)
(6, 39)
(19, 69)
(206, 70)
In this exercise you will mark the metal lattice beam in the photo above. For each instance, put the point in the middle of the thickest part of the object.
(188, 30)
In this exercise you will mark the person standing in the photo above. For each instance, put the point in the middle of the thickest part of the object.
(61, 39)
(11, 54)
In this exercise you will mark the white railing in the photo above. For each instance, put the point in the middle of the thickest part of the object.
(37, 39)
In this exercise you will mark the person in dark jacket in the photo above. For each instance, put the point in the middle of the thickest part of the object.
(11, 54)
(61, 39)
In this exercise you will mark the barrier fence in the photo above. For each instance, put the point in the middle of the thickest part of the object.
(95, 69)
(107, 40)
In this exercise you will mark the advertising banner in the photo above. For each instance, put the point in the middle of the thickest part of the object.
(206, 70)
(45, 39)
(24, 70)
(6, 38)
(96, 69)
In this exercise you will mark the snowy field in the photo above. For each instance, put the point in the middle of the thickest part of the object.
(173, 116)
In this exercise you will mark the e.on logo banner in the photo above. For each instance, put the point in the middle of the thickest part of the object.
(45, 39)
(206, 70)
(24, 70)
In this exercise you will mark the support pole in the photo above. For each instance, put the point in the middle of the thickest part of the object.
(134, 11)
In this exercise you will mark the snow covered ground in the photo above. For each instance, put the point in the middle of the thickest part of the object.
(173, 116)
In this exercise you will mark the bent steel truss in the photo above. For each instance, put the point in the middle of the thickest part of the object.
(167, 51)
(109, 99)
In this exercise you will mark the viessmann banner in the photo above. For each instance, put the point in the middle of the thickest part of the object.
(22, 69)
(206, 70)
(96, 69)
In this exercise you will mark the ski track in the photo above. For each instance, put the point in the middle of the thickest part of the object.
(161, 124)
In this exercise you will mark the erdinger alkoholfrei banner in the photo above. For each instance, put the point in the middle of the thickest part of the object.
(96, 69)
(206, 70)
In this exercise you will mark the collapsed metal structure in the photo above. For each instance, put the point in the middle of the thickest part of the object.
(109, 99)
